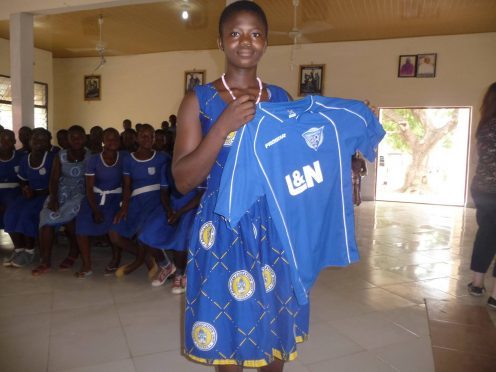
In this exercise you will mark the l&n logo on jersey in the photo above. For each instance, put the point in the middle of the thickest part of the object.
(298, 182)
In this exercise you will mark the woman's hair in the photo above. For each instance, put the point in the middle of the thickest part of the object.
(41, 132)
(109, 131)
(488, 107)
(243, 6)
(76, 129)
(146, 127)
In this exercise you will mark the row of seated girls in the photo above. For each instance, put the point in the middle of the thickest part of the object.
(95, 188)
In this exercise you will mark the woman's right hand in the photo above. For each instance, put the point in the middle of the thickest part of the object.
(122, 214)
(53, 204)
(237, 113)
(97, 216)
(27, 192)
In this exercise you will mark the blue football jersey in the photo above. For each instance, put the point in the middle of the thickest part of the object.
(298, 154)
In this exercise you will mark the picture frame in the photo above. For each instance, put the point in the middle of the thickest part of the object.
(311, 79)
(407, 66)
(193, 78)
(92, 88)
(426, 65)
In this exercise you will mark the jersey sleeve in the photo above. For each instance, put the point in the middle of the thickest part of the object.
(374, 134)
(91, 165)
(240, 183)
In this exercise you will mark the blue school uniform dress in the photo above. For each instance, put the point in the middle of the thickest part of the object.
(23, 215)
(9, 183)
(240, 303)
(145, 195)
(108, 194)
(157, 232)
(71, 192)
(298, 154)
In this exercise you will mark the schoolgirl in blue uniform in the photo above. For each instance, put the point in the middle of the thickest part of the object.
(63, 203)
(168, 228)
(9, 168)
(102, 201)
(23, 215)
(241, 309)
(140, 196)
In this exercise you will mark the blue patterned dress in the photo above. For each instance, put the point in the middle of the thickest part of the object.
(240, 306)
(70, 194)
(9, 183)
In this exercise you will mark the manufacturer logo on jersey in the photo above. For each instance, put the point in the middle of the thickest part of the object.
(204, 335)
(230, 139)
(241, 285)
(275, 140)
(269, 277)
(291, 114)
(299, 181)
(207, 235)
(151, 171)
(42, 171)
(314, 137)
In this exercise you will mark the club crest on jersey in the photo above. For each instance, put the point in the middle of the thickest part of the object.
(269, 277)
(314, 137)
(207, 235)
(230, 139)
(151, 171)
(300, 181)
(204, 335)
(241, 285)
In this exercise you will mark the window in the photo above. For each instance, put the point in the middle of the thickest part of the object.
(40, 103)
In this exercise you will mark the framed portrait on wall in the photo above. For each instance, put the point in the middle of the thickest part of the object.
(407, 66)
(426, 65)
(92, 87)
(193, 78)
(310, 80)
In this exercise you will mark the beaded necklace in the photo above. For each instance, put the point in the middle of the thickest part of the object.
(260, 88)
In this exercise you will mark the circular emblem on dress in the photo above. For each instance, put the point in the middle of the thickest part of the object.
(151, 171)
(269, 277)
(204, 335)
(54, 215)
(75, 171)
(42, 171)
(241, 285)
(230, 139)
(207, 235)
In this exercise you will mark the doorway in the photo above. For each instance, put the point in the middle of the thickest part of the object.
(423, 157)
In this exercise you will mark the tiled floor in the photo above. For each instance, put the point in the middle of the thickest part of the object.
(367, 317)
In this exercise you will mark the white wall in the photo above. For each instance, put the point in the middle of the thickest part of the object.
(147, 88)
(43, 72)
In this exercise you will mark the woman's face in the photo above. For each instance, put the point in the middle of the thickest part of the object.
(40, 142)
(7, 142)
(111, 141)
(243, 39)
(145, 138)
(77, 140)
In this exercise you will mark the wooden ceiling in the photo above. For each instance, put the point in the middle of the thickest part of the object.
(158, 27)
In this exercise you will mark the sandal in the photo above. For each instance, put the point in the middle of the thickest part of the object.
(121, 271)
(40, 270)
(83, 274)
(68, 263)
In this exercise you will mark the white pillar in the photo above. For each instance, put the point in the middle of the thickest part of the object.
(21, 70)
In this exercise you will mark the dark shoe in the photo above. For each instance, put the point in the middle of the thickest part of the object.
(491, 302)
(475, 291)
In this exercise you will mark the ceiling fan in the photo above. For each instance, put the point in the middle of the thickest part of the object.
(100, 47)
(297, 34)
